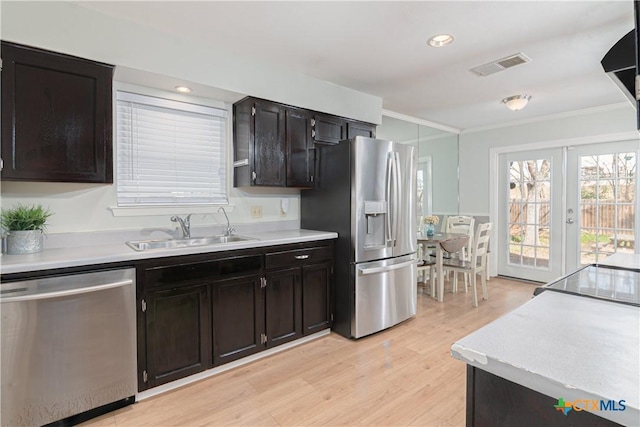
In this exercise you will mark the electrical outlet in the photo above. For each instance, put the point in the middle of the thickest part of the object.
(256, 211)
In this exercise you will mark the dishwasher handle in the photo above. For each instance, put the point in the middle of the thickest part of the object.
(66, 292)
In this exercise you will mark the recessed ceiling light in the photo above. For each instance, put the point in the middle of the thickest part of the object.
(440, 40)
(183, 89)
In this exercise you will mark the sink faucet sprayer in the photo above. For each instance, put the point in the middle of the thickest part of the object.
(185, 224)
(229, 231)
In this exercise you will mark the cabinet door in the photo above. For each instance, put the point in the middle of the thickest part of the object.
(283, 305)
(360, 129)
(327, 129)
(177, 333)
(300, 153)
(269, 145)
(316, 298)
(56, 117)
(243, 143)
(238, 319)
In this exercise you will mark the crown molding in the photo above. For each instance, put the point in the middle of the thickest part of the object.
(418, 121)
(565, 114)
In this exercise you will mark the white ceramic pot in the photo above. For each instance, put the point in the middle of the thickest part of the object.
(25, 242)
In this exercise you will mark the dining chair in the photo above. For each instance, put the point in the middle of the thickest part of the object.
(426, 266)
(477, 263)
(464, 225)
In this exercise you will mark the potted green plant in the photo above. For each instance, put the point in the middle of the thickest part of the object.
(25, 226)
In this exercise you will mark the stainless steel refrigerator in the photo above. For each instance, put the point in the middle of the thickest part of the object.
(366, 192)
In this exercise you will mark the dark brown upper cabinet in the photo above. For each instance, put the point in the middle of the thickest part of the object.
(360, 129)
(259, 143)
(300, 150)
(274, 144)
(327, 129)
(269, 144)
(56, 117)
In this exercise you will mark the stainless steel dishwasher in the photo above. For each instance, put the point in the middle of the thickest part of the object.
(68, 347)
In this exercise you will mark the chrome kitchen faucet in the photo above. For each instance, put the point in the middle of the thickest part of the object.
(229, 231)
(185, 224)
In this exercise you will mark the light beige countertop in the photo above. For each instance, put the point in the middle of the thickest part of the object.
(566, 346)
(102, 250)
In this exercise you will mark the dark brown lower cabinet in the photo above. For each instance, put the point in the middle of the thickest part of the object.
(494, 401)
(200, 311)
(316, 298)
(178, 331)
(311, 265)
(238, 319)
(283, 302)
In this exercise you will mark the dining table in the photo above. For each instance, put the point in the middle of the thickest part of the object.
(443, 243)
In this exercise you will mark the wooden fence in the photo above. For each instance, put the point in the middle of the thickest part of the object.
(591, 216)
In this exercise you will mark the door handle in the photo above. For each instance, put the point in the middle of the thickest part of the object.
(570, 221)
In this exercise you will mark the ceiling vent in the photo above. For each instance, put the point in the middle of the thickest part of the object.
(501, 64)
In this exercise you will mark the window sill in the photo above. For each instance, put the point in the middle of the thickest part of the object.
(119, 211)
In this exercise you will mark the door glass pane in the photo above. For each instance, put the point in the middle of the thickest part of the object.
(529, 213)
(607, 205)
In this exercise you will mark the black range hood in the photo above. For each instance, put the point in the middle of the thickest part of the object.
(620, 64)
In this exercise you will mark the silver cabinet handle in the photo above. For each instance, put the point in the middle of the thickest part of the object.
(570, 221)
(68, 292)
(301, 256)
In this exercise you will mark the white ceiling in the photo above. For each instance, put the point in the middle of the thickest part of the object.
(380, 48)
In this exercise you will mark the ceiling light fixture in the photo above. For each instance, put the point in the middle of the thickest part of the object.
(183, 89)
(440, 40)
(516, 102)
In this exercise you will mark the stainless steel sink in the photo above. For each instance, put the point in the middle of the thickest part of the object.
(143, 245)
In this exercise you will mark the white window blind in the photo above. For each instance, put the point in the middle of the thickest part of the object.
(169, 153)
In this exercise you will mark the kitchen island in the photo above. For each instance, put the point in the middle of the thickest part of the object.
(559, 359)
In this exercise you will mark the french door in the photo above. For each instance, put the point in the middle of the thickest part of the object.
(561, 208)
(530, 215)
(602, 210)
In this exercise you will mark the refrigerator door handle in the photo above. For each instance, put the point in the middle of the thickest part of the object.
(364, 270)
(396, 196)
(389, 178)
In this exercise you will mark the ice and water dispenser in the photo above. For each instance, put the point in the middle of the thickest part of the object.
(375, 213)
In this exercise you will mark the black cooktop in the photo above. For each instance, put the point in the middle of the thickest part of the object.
(600, 281)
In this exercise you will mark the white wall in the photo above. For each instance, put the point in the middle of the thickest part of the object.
(602, 124)
(444, 154)
(69, 28)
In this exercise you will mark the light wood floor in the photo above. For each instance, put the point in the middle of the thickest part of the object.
(404, 376)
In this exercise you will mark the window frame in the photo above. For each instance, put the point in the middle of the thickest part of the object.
(124, 211)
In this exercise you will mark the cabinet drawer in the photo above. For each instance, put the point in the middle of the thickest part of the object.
(208, 270)
(298, 256)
